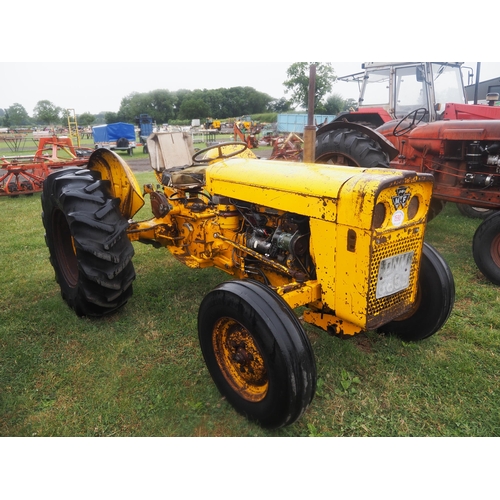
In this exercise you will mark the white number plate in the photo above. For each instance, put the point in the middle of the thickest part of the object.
(394, 274)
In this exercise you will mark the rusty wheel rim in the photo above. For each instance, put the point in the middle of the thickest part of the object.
(240, 359)
(495, 250)
(337, 159)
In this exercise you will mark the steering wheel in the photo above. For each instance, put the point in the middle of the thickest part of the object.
(221, 154)
(412, 115)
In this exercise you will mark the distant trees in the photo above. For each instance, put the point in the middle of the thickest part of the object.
(86, 119)
(193, 108)
(16, 116)
(298, 82)
(281, 105)
(164, 106)
(47, 113)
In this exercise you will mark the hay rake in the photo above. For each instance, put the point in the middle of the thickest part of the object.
(24, 175)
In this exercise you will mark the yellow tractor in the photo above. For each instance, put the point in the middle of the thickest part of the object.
(345, 244)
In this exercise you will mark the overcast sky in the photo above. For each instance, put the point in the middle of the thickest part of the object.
(77, 39)
(99, 86)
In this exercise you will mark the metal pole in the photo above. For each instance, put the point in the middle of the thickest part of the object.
(476, 87)
(310, 128)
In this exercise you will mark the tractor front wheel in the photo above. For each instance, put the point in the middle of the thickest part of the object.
(87, 241)
(486, 248)
(434, 302)
(257, 352)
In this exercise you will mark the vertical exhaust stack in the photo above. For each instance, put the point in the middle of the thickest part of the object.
(310, 128)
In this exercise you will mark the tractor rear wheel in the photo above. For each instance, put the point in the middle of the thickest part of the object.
(475, 212)
(349, 147)
(486, 248)
(87, 241)
(434, 303)
(257, 352)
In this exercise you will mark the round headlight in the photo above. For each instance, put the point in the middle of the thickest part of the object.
(413, 207)
(378, 215)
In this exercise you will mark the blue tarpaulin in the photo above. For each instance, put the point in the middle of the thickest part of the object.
(113, 131)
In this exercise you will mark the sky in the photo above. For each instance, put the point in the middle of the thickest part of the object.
(100, 86)
(88, 59)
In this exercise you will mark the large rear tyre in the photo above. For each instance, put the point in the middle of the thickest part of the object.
(349, 147)
(87, 241)
(435, 299)
(486, 248)
(475, 212)
(257, 352)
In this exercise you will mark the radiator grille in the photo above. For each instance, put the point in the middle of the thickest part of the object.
(378, 309)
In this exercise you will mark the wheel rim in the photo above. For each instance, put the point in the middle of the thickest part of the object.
(495, 250)
(239, 359)
(65, 249)
(337, 159)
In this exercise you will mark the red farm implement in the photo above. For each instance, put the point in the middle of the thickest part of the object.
(25, 174)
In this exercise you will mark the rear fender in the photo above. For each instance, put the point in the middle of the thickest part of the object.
(124, 185)
(386, 146)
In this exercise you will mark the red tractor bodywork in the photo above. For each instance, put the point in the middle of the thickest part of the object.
(457, 142)
(463, 155)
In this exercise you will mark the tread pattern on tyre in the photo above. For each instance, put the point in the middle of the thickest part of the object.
(359, 149)
(80, 199)
(285, 345)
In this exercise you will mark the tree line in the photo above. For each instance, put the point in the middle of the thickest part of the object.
(165, 106)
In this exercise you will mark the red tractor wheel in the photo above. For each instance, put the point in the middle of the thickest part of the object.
(486, 248)
(349, 147)
(475, 212)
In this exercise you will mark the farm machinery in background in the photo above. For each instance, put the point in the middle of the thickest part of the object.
(246, 131)
(288, 148)
(117, 136)
(415, 116)
(24, 175)
(145, 124)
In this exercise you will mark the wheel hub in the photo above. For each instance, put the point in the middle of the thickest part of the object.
(240, 359)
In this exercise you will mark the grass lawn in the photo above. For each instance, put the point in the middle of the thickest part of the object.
(141, 373)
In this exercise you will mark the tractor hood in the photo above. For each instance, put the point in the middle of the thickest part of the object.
(309, 189)
(430, 136)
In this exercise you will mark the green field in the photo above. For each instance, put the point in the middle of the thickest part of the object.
(141, 373)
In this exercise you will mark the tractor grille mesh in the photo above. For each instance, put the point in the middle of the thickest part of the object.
(387, 306)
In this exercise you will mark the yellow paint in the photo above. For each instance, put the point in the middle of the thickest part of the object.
(355, 222)
(123, 182)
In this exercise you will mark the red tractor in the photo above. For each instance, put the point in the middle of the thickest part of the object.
(415, 116)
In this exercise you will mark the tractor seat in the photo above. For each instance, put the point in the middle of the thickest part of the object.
(186, 178)
(171, 155)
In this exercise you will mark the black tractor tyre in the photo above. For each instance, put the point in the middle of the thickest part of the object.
(435, 300)
(475, 212)
(257, 352)
(87, 241)
(486, 248)
(349, 147)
